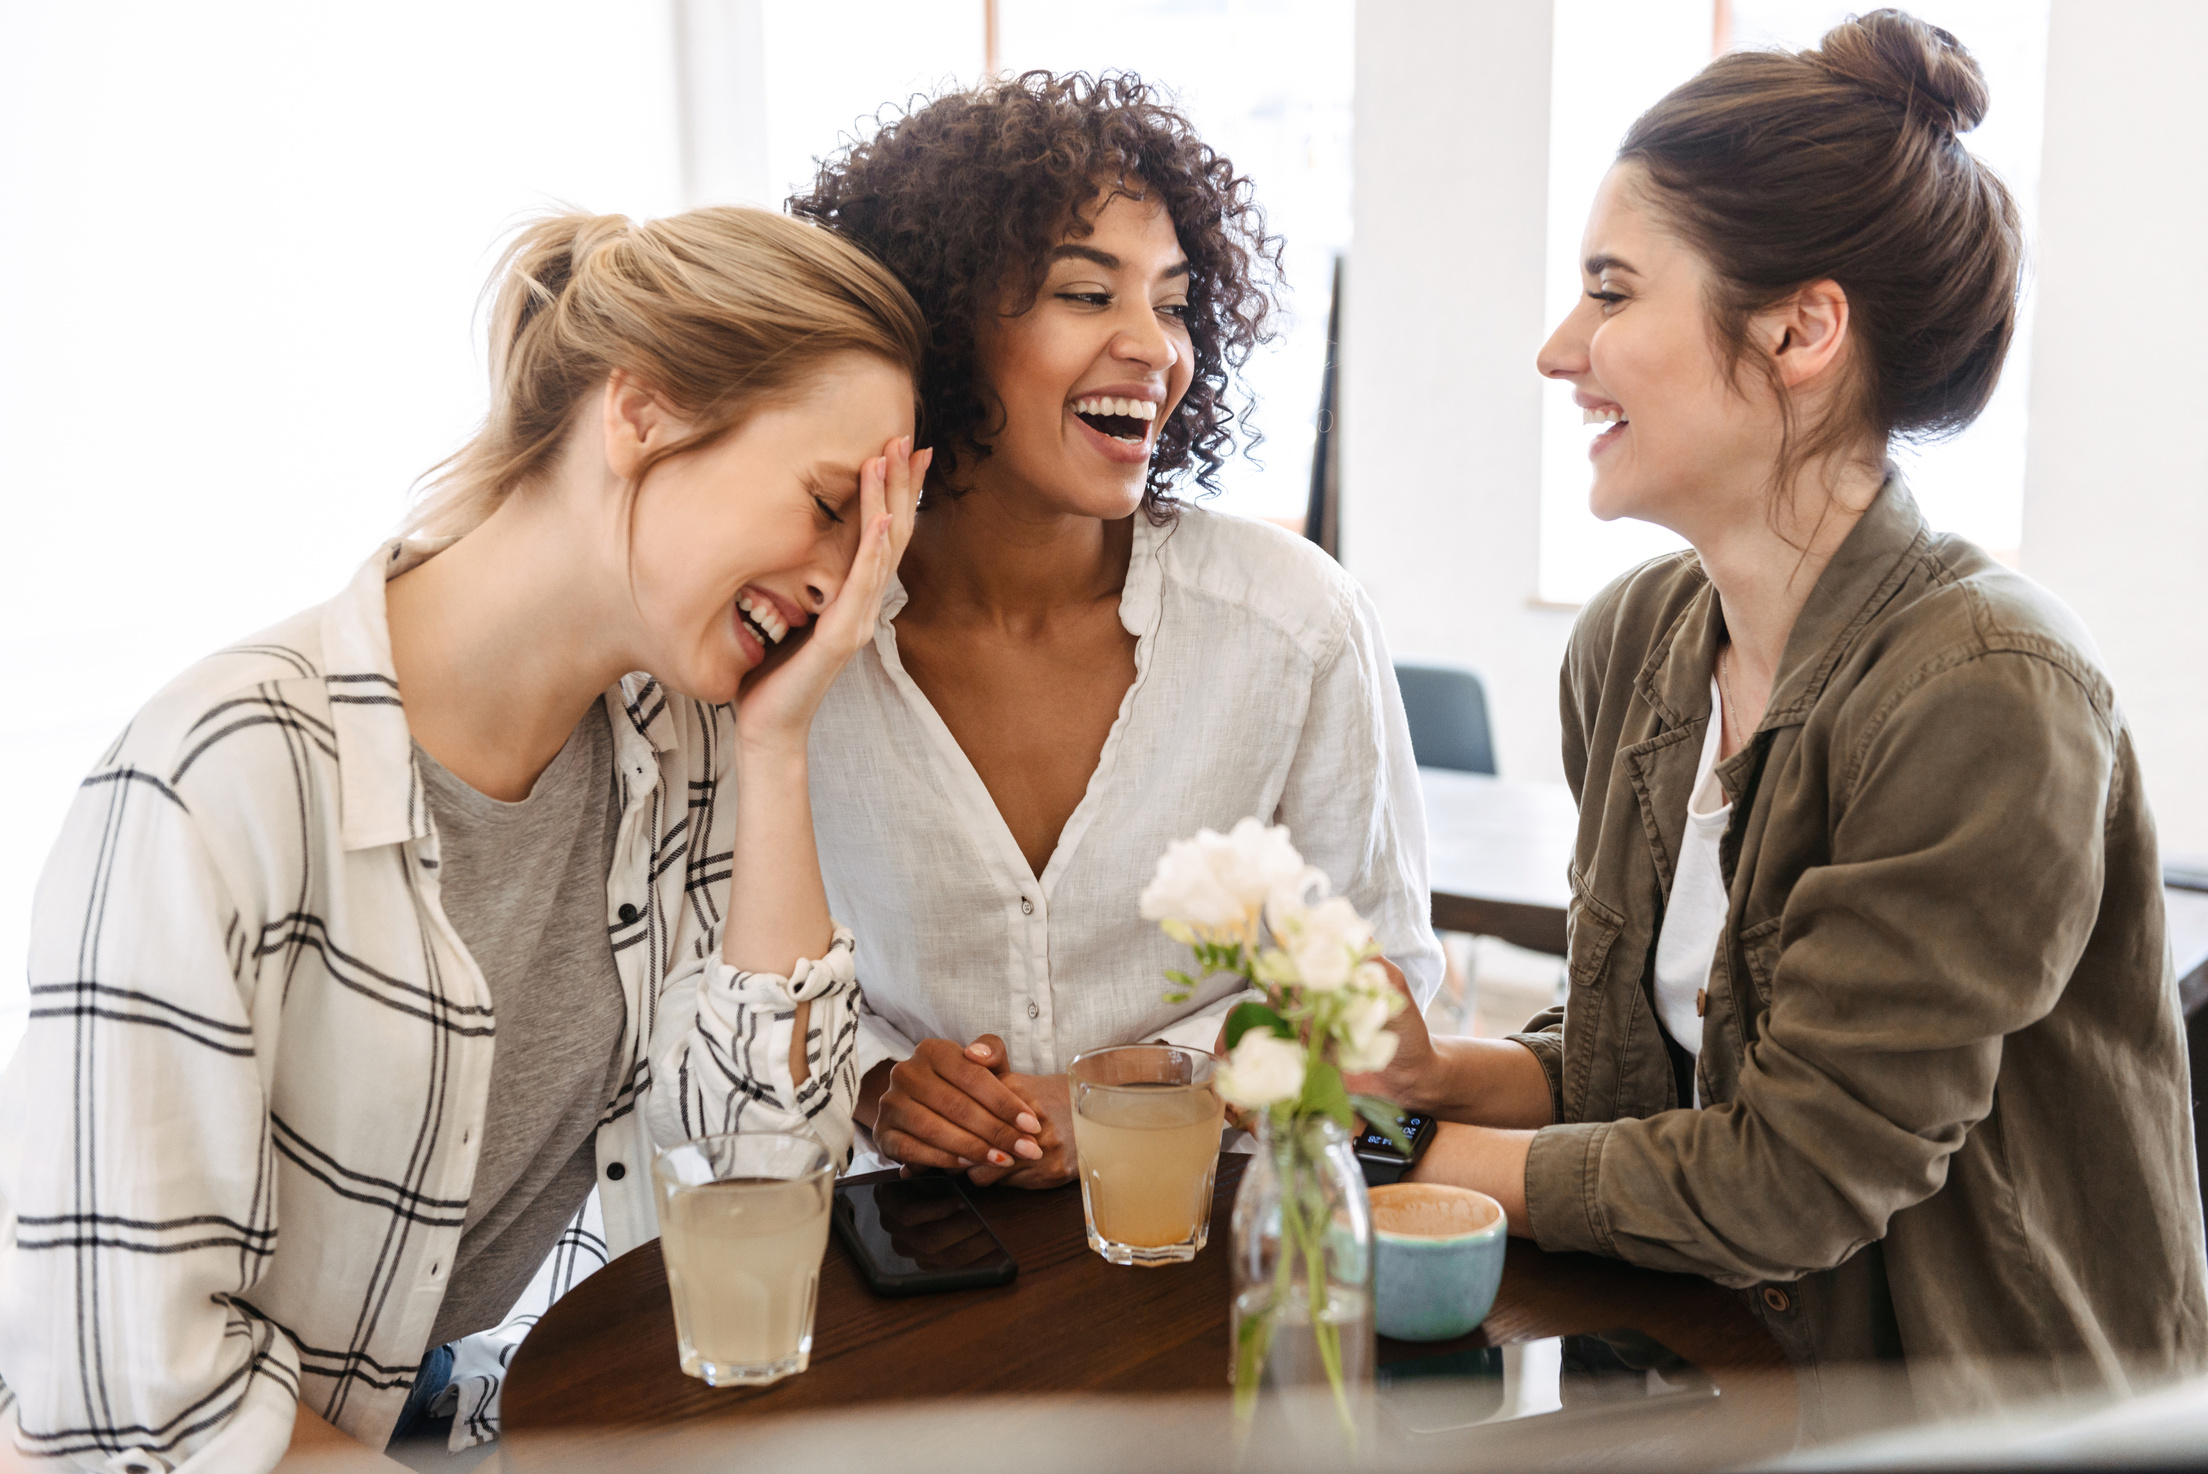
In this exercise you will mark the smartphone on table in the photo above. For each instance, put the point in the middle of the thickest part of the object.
(917, 1235)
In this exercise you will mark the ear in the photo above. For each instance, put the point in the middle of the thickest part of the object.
(635, 424)
(1807, 333)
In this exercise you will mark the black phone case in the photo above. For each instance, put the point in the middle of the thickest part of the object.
(927, 1282)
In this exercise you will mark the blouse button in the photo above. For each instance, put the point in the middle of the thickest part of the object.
(1032, 1010)
(1027, 907)
(615, 1171)
(627, 913)
(1775, 1297)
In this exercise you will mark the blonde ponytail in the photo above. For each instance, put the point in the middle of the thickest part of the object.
(719, 311)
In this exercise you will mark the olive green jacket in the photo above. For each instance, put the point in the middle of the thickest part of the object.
(1943, 1064)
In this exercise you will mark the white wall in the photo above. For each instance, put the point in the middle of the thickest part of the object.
(2116, 486)
(1441, 432)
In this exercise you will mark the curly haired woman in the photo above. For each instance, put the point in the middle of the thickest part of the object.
(1076, 667)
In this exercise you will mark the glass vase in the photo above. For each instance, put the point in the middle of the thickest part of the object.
(1302, 1316)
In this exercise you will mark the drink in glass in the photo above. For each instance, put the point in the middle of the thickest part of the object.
(1146, 1124)
(743, 1222)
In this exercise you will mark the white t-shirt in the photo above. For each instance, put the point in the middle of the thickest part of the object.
(1687, 945)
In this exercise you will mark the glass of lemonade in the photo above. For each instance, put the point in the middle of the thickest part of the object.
(743, 1222)
(1146, 1124)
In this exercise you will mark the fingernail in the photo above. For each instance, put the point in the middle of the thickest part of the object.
(904, 446)
(1001, 1159)
(1028, 1149)
(978, 1051)
(1027, 1123)
(964, 1163)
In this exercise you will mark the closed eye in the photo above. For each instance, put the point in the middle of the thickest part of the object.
(1606, 298)
(825, 510)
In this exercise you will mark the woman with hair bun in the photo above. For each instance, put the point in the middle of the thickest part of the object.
(377, 941)
(1870, 1009)
(1076, 667)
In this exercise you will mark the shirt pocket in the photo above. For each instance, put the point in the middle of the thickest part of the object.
(1591, 929)
(1759, 948)
(1591, 934)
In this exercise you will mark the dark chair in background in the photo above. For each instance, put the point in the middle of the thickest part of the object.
(1447, 707)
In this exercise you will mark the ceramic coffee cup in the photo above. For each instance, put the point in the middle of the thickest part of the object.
(1438, 1256)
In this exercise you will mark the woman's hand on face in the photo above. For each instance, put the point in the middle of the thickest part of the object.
(776, 703)
(1050, 1099)
(946, 1108)
(1411, 1077)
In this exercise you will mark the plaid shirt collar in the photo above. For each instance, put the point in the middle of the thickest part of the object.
(381, 799)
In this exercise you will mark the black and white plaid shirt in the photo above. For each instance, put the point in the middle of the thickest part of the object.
(237, 1143)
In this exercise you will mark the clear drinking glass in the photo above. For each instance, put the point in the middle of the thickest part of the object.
(743, 1223)
(1146, 1126)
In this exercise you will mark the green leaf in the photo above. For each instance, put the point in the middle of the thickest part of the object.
(1323, 1095)
(1253, 1015)
(1380, 1116)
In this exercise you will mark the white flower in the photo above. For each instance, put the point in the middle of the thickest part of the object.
(1217, 881)
(1367, 1013)
(1325, 942)
(1374, 1054)
(1262, 1069)
(1362, 1025)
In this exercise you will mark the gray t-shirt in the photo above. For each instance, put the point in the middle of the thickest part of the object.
(525, 886)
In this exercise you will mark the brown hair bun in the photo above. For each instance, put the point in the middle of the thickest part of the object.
(1893, 55)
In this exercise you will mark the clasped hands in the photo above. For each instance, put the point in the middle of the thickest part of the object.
(966, 1110)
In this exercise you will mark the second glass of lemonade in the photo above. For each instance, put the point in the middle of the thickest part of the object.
(743, 1222)
(1146, 1123)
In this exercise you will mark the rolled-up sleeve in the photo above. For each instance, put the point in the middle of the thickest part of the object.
(1964, 881)
(721, 1050)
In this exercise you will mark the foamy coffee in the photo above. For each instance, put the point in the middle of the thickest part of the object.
(1429, 1210)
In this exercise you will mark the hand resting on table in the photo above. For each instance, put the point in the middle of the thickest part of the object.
(948, 1107)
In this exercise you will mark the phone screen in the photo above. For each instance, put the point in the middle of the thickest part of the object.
(916, 1234)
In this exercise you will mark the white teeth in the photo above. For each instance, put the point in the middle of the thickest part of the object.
(1601, 416)
(765, 617)
(1109, 404)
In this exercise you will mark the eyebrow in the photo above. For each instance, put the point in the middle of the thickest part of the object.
(1597, 265)
(1107, 260)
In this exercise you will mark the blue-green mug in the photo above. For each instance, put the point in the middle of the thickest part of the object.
(1437, 1259)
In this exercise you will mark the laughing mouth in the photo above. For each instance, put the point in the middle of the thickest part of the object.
(1609, 415)
(1127, 420)
(762, 619)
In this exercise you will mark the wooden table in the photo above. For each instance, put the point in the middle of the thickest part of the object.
(1500, 851)
(604, 1356)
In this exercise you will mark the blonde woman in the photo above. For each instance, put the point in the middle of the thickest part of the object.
(378, 940)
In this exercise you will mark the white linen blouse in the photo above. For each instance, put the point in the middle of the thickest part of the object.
(1262, 686)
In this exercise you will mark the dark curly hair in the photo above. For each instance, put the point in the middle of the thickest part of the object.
(965, 196)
